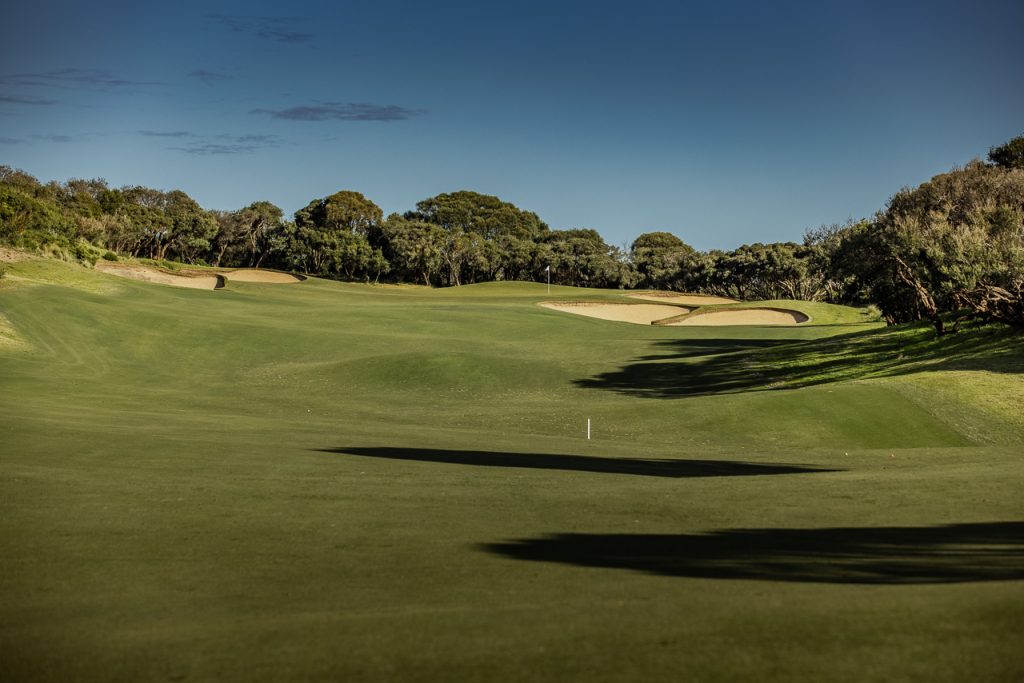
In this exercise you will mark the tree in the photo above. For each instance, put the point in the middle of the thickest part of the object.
(144, 209)
(657, 258)
(414, 248)
(581, 258)
(29, 221)
(190, 227)
(829, 281)
(482, 214)
(954, 243)
(1009, 155)
(513, 258)
(344, 211)
(246, 236)
(331, 235)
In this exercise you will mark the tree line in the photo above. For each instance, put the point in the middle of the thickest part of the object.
(948, 250)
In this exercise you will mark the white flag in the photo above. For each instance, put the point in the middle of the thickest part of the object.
(547, 269)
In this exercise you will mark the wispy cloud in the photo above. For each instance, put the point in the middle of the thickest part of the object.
(59, 138)
(279, 29)
(210, 77)
(340, 111)
(17, 99)
(217, 148)
(166, 133)
(65, 78)
(269, 140)
(229, 144)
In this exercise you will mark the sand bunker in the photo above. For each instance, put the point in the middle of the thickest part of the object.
(749, 316)
(684, 299)
(196, 280)
(263, 276)
(640, 314)
(145, 274)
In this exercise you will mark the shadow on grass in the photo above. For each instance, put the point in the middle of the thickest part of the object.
(714, 366)
(581, 463)
(953, 553)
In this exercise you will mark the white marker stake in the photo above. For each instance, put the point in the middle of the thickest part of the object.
(588, 429)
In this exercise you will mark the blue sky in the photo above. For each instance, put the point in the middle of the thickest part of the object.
(723, 122)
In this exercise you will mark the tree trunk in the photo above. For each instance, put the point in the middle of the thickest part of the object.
(924, 298)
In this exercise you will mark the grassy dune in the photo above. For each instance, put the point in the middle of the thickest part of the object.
(335, 480)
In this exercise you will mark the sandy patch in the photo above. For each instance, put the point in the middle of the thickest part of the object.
(135, 272)
(263, 276)
(684, 299)
(12, 255)
(749, 316)
(640, 314)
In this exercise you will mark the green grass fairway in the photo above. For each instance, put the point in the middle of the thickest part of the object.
(345, 482)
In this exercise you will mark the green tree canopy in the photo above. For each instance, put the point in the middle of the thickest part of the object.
(342, 211)
(657, 258)
(954, 242)
(659, 240)
(248, 236)
(1010, 155)
(482, 214)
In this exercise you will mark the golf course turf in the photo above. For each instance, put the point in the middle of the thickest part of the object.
(352, 482)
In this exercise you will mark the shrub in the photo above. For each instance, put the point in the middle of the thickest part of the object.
(85, 252)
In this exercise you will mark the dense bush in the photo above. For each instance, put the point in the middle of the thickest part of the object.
(953, 246)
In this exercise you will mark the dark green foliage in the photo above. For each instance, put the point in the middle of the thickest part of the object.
(658, 240)
(482, 214)
(451, 239)
(29, 219)
(330, 237)
(414, 248)
(580, 257)
(248, 236)
(343, 211)
(1010, 155)
(779, 270)
(956, 243)
(658, 259)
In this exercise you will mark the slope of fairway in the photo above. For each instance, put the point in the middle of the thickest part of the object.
(349, 482)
